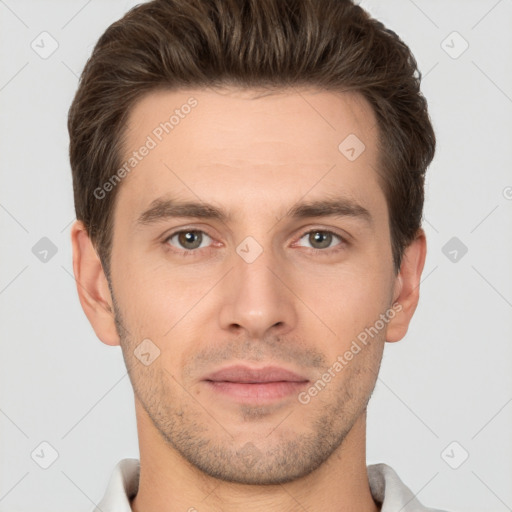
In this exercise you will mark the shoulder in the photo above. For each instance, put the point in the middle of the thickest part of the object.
(390, 491)
(121, 488)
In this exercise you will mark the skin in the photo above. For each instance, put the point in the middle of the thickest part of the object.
(256, 156)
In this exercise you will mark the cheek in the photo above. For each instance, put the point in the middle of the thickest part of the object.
(167, 307)
(346, 302)
(143, 282)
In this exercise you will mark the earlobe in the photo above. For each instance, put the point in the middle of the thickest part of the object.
(92, 286)
(407, 287)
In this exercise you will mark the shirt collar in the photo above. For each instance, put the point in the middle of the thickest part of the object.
(386, 487)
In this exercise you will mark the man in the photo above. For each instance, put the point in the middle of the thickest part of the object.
(248, 180)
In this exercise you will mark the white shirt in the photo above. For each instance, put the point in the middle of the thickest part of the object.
(385, 485)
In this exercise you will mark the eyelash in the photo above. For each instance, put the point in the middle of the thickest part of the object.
(324, 252)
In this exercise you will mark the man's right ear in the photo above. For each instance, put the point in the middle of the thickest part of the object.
(92, 285)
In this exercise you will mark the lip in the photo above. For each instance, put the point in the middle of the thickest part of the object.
(255, 385)
(247, 375)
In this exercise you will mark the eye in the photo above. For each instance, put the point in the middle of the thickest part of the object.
(320, 239)
(188, 239)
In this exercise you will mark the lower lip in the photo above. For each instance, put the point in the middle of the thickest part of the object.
(259, 392)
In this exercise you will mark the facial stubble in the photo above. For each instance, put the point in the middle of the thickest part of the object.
(198, 432)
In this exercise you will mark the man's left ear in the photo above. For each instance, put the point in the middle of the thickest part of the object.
(407, 287)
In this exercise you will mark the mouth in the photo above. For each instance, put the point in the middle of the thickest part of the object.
(245, 384)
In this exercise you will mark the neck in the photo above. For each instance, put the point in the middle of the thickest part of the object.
(168, 483)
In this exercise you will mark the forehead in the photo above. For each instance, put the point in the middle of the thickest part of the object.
(233, 119)
(229, 144)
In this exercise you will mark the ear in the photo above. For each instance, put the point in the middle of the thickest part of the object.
(92, 285)
(407, 287)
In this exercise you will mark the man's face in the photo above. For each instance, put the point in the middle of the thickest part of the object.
(270, 285)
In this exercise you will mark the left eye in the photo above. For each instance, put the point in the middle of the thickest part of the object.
(189, 239)
(319, 239)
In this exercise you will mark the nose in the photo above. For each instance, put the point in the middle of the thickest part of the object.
(257, 298)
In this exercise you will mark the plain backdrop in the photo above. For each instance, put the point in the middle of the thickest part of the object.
(441, 413)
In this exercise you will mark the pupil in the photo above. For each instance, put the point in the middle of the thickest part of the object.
(190, 237)
(323, 239)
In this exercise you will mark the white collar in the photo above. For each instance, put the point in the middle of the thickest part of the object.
(385, 485)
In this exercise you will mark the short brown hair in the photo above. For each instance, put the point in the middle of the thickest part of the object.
(327, 44)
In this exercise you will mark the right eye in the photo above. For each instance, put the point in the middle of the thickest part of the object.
(188, 239)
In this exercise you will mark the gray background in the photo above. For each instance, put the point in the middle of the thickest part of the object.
(448, 381)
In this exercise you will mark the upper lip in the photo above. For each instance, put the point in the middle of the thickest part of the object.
(245, 374)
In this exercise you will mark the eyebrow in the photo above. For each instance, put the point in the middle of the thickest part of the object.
(164, 208)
